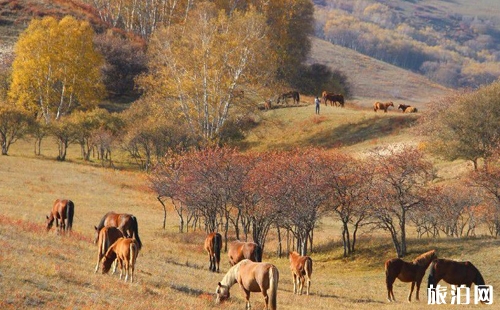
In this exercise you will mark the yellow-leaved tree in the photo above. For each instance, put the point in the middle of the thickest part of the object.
(206, 69)
(56, 69)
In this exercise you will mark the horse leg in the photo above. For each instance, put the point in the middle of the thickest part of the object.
(294, 282)
(247, 298)
(417, 298)
(301, 284)
(115, 264)
(308, 285)
(390, 293)
(411, 290)
(127, 267)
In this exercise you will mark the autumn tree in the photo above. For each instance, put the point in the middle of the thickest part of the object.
(400, 179)
(56, 69)
(14, 124)
(198, 67)
(65, 133)
(465, 125)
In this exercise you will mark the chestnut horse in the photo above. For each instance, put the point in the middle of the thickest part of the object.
(107, 236)
(125, 250)
(333, 98)
(63, 210)
(213, 244)
(382, 106)
(453, 272)
(252, 277)
(127, 223)
(239, 250)
(407, 272)
(301, 267)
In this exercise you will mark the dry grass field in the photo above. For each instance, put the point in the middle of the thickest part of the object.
(46, 270)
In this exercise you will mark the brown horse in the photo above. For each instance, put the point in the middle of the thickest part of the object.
(252, 277)
(291, 94)
(107, 236)
(301, 267)
(333, 98)
(63, 210)
(382, 106)
(213, 244)
(407, 272)
(125, 250)
(453, 272)
(239, 250)
(127, 223)
(407, 108)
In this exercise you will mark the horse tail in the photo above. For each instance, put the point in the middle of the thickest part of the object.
(258, 253)
(273, 286)
(70, 212)
(217, 246)
(308, 267)
(135, 229)
(431, 280)
(134, 251)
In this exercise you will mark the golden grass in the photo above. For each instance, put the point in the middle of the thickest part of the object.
(45, 270)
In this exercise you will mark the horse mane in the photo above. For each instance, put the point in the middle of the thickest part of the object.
(230, 277)
(424, 259)
(101, 223)
(135, 229)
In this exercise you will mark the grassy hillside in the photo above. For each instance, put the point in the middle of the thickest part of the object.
(44, 270)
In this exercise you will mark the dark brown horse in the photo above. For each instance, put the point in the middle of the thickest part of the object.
(407, 272)
(213, 245)
(239, 250)
(291, 94)
(453, 272)
(63, 210)
(382, 106)
(333, 98)
(407, 108)
(301, 267)
(127, 223)
(125, 250)
(107, 236)
(252, 277)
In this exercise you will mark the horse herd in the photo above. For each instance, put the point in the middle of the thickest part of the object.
(117, 237)
(118, 241)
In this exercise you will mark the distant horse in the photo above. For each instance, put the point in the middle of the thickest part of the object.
(107, 236)
(127, 223)
(125, 250)
(63, 210)
(453, 272)
(382, 106)
(333, 98)
(213, 244)
(239, 250)
(407, 108)
(291, 94)
(407, 272)
(301, 267)
(252, 277)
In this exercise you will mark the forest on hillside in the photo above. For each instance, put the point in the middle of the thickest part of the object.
(450, 48)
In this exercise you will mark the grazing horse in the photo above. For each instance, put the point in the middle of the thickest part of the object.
(252, 277)
(63, 210)
(407, 108)
(125, 250)
(291, 94)
(453, 272)
(382, 106)
(239, 250)
(407, 272)
(107, 236)
(301, 267)
(127, 223)
(333, 98)
(213, 244)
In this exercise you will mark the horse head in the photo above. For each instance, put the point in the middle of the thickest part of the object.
(50, 221)
(96, 235)
(221, 293)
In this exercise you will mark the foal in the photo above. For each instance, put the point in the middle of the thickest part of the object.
(301, 267)
(125, 250)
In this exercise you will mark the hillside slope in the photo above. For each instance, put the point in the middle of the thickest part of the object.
(374, 80)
